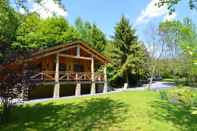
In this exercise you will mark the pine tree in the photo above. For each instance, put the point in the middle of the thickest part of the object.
(127, 53)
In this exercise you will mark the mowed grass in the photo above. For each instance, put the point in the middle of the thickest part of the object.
(125, 111)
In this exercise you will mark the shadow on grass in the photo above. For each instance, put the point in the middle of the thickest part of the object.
(96, 113)
(179, 116)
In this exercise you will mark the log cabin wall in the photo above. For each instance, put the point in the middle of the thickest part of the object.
(48, 62)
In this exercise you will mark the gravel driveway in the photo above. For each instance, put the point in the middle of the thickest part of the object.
(162, 85)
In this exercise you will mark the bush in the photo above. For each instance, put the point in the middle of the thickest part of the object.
(181, 96)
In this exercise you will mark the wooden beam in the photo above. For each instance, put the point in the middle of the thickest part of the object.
(94, 51)
(75, 57)
(93, 54)
(56, 47)
(50, 53)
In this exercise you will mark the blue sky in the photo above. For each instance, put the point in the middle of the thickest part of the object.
(106, 13)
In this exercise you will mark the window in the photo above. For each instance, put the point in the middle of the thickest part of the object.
(69, 68)
(62, 67)
(78, 68)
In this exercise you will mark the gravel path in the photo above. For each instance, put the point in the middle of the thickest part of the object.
(162, 85)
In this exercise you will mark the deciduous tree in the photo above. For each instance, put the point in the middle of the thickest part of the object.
(91, 34)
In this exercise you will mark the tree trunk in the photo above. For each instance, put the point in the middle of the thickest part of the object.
(127, 81)
(151, 78)
(127, 78)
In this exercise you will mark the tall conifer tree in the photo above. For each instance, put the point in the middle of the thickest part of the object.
(127, 54)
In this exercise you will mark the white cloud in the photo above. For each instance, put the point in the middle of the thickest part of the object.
(152, 11)
(170, 17)
(22, 10)
(48, 8)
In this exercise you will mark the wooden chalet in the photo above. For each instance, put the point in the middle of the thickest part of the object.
(72, 63)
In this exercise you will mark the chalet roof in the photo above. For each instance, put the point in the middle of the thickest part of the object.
(58, 48)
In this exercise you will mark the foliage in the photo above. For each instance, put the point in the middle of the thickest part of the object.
(14, 87)
(127, 53)
(170, 33)
(9, 21)
(91, 34)
(181, 96)
(35, 32)
(181, 38)
(182, 100)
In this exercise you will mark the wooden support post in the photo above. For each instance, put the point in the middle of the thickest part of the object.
(93, 86)
(56, 91)
(105, 88)
(78, 51)
(78, 89)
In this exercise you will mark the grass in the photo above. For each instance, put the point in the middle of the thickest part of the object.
(126, 111)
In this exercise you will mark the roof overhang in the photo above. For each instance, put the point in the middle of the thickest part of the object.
(67, 46)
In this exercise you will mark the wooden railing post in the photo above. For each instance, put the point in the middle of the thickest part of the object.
(56, 91)
(93, 86)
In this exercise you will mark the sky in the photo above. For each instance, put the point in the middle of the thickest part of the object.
(106, 13)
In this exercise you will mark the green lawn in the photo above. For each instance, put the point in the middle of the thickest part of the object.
(132, 111)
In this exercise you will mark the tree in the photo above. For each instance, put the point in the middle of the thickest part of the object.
(171, 4)
(156, 51)
(91, 34)
(127, 53)
(35, 33)
(84, 29)
(98, 38)
(184, 36)
(9, 21)
(188, 45)
(170, 32)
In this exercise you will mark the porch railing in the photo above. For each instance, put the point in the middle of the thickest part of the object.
(67, 76)
(44, 75)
